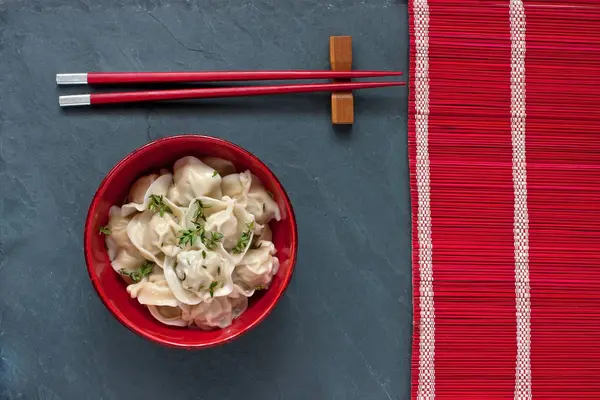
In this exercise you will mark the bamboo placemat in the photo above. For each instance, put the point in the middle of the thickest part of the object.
(505, 179)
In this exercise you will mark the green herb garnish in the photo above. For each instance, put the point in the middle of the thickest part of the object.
(157, 204)
(244, 239)
(211, 288)
(187, 236)
(219, 271)
(215, 173)
(199, 214)
(259, 288)
(140, 273)
(211, 241)
(104, 230)
(270, 194)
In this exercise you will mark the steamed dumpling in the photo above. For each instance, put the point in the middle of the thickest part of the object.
(153, 290)
(265, 235)
(224, 217)
(209, 206)
(257, 268)
(237, 186)
(261, 204)
(231, 222)
(219, 313)
(167, 315)
(117, 224)
(138, 190)
(158, 187)
(154, 236)
(239, 304)
(127, 260)
(183, 295)
(121, 252)
(193, 178)
(247, 190)
(199, 275)
(223, 167)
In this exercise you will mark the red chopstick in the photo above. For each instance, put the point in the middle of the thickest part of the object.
(203, 93)
(103, 78)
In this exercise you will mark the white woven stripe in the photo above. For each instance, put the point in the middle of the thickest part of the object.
(521, 217)
(426, 388)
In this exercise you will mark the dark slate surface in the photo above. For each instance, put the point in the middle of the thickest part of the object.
(343, 329)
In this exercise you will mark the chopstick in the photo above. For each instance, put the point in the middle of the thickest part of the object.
(104, 78)
(204, 93)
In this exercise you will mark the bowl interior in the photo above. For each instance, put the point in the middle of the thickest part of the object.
(113, 190)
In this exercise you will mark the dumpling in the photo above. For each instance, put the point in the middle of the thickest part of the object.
(153, 290)
(223, 167)
(219, 313)
(199, 275)
(158, 187)
(237, 186)
(225, 218)
(168, 315)
(193, 178)
(121, 252)
(262, 233)
(117, 224)
(127, 260)
(261, 204)
(153, 235)
(201, 208)
(265, 235)
(249, 192)
(256, 270)
(232, 222)
(137, 192)
(239, 304)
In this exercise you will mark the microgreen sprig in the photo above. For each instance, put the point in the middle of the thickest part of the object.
(211, 241)
(188, 236)
(157, 204)
(140, 273)
(212, 287)
(244, 239)
(199, 214)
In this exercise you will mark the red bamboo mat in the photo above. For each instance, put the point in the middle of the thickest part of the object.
(504, 148)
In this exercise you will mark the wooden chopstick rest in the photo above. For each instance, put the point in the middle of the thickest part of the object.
(340, 58)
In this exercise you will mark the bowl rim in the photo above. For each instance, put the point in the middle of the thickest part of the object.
(118, 314)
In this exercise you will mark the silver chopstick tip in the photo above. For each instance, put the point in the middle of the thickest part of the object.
(74, 100)
(71, 79)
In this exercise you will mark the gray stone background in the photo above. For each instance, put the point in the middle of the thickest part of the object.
(343, 328)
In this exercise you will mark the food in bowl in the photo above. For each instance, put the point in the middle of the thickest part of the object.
(195, 244)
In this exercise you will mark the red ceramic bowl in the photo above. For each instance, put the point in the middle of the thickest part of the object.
(113, 190)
